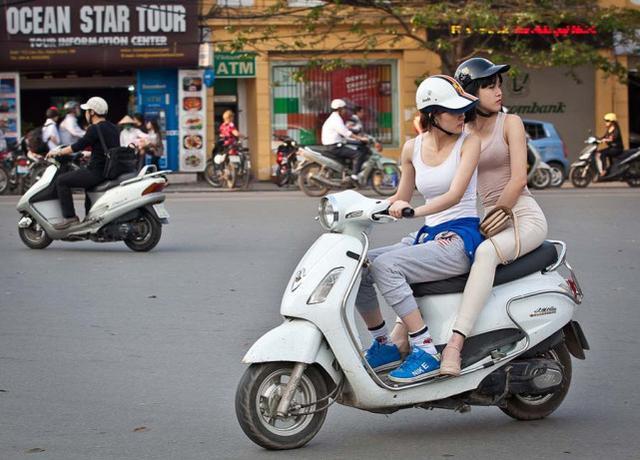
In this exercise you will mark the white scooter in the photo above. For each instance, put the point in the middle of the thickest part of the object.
(517, 357)
(129, 208)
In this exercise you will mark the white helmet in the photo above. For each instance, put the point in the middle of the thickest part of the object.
(441, 92)
(97, 104)
(338, 104)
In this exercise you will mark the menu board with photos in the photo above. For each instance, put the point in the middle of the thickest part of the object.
(9, 108)
(193, 120)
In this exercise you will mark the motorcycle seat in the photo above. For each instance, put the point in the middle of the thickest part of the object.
(104, 186)
(535, 261)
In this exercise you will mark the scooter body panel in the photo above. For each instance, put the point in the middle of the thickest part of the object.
(295, 341)
(317, 157)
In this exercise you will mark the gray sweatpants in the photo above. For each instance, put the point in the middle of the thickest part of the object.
(393, 268)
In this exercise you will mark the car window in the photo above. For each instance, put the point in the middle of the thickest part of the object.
(535, 130)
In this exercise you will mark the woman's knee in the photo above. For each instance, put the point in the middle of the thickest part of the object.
(486, 253)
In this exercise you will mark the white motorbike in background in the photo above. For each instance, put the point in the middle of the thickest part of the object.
(129, 208)
(517, 357)
(539, 174)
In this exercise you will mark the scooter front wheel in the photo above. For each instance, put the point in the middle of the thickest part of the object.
(581, 176)
(257, 397)
(34, 236)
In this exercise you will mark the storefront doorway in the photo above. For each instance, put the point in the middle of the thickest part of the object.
(634, 113)
(41, 91)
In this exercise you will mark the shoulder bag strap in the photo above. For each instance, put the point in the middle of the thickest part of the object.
(104, 145)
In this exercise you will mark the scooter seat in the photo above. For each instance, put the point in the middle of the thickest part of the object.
(103, 187)
(535, 261)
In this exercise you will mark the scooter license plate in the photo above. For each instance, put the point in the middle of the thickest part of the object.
(234, 159)
(161, 211)
(22, 169)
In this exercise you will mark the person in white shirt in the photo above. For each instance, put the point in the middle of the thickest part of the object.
(70, 130)
(130, 134)
(335, 133)
(50, 133)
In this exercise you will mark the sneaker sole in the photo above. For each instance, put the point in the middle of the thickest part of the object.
(386, 367)
(414, 379)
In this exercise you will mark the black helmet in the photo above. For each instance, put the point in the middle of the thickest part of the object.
(477, 68)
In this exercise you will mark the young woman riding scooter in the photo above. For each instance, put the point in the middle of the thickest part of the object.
(502, 186)
(441, 163)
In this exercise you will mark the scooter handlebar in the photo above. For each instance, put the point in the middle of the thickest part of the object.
(408, 212)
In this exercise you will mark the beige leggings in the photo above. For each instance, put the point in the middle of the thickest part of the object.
(533, 231)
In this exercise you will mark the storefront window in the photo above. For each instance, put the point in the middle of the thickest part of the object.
(302, 98)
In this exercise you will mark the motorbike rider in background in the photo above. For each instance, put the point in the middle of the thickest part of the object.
(70, 130)
(335, 133)
(95, 113)
(613, 139)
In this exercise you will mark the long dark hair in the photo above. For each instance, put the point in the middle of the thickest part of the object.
(156, 129)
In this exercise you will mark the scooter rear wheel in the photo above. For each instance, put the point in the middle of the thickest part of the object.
(34, 236)
(149, 237)
(257, 398)
(534, 407)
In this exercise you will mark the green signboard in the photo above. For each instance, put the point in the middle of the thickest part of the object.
(234, 65)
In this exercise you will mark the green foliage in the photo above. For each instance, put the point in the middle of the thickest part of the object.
(453, 29)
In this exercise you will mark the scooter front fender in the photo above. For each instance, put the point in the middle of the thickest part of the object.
(295, 340)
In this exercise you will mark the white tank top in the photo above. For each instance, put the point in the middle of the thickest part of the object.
(433, 181)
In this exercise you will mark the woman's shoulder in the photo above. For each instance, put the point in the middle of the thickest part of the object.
(513, 120)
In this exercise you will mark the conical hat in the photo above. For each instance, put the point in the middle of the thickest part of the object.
(127, 120)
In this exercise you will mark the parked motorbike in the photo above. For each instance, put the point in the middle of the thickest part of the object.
(517, 357)
(624, 168)
(539, 173)
(229, 166)
(321, 171)
(286, 162)
(129, 208)
(14, 170)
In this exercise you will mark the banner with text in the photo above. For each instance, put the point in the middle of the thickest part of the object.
(124, 34)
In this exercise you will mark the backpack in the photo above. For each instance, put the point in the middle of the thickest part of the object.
(120, 160)
(35, 143)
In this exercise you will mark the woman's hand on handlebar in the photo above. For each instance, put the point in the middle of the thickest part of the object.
(396, 208)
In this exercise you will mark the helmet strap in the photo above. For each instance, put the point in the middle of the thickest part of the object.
(436, 125)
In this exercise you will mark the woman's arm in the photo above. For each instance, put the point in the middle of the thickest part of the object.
(408, 177)
(469, 156)
(517, 143)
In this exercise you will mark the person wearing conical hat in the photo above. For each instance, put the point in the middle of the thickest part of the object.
(129, 134)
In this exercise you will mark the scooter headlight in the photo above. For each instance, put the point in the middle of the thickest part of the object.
(328, 213)
(321, 292)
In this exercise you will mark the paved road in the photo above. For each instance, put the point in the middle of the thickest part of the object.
(109, 354)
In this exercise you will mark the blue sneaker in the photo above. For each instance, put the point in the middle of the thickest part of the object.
(382, 356)
(419, 365)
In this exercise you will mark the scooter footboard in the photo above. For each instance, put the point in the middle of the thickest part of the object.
(294, 341)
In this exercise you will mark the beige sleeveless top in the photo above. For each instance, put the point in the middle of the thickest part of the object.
(494, 167)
